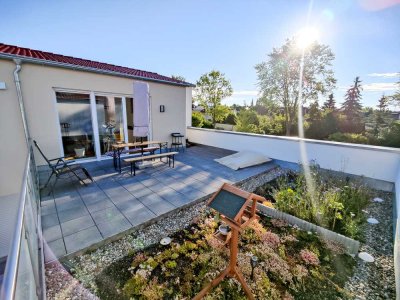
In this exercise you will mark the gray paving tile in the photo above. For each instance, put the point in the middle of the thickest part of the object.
(97, 195)
(71, 214)
(49, 220)
(149, 182)
(48, 209)
(106, 215)
(128, 204)
(142, 192)
(121, 197)
(157, 187)
(52, 233)
(157, 204)
(71, 195)
(99, 205)
(76, 225)
(114, 227)
(139, 215)
(82, 239)
(73, 204)
(54, 250)
(133, 186)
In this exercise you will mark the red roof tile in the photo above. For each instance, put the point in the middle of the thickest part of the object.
(38, 55)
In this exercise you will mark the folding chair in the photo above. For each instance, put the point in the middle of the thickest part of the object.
(60, 167)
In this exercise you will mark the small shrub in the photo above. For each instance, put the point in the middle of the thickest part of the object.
(230, 119)
(348, 138)
(207, 124)
(197, 119)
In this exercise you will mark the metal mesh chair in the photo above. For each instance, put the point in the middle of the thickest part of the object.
(63, 170)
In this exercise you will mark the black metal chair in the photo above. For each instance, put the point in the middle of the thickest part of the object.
(63, 170)
(177, 141)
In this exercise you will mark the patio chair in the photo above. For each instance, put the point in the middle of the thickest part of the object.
(63, 169)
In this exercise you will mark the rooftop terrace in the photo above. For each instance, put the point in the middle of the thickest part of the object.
(75, 217)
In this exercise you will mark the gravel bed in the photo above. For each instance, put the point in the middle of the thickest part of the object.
(376, 280)
(61, 285)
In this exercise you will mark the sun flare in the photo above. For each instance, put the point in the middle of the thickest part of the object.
(306, 36)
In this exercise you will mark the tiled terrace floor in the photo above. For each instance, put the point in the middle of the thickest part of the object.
(75, 217)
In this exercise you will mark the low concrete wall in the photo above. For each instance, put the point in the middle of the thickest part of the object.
(371, 161)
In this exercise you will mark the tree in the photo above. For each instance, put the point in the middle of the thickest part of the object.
(278, 77)
(395, 99)
(381, 117)
(210, 90)
(383, 103)
(315, 119)
(247, 121)
(329, 104)
(352, 108)
(221, 112)
(265, 106)
(178, 77)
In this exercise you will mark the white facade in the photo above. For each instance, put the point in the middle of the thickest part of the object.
(39, 86)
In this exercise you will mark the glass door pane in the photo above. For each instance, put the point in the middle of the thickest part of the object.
(76, 124)
(110, 122)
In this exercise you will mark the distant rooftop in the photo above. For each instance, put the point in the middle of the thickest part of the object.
(37, 56)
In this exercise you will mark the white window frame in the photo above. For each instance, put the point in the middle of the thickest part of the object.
(95, 125)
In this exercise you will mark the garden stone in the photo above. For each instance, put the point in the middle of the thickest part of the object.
(366, 257)
(372, 221)
(377, 199)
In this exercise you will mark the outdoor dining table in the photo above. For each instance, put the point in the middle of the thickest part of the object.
(118, 149)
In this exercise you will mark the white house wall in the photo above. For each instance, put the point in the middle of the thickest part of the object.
(13, 149)
(39, 83)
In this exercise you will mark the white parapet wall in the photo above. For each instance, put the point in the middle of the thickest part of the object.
(375, 162)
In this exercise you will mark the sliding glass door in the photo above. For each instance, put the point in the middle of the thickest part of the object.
(76, 125)
(90, 123)
(110, 122)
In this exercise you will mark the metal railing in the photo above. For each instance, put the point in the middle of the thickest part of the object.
(24, 273)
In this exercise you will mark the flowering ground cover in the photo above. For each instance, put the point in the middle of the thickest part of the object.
(292, 264)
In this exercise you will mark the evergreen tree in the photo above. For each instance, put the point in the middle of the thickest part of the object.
(329, 104)
(383, 103)
(381, 115)
(352, 108)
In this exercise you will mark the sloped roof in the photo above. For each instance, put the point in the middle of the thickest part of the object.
(37, 56)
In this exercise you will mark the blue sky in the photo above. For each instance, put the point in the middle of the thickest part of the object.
(190, 38)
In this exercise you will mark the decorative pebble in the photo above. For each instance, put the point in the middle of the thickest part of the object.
(165, 241)
(372, 221)
(379, 200)
(366, 257)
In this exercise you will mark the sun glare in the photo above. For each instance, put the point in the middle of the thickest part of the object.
(307, 36)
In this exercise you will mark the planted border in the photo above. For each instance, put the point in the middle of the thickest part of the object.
(351, 246)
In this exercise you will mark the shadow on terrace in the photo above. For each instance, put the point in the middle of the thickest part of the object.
(75, 217)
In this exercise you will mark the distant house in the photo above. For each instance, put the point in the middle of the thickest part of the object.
(395, 115)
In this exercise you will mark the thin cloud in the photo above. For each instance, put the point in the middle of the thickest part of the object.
(379, 87)
(384, 75)
(245, 93)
